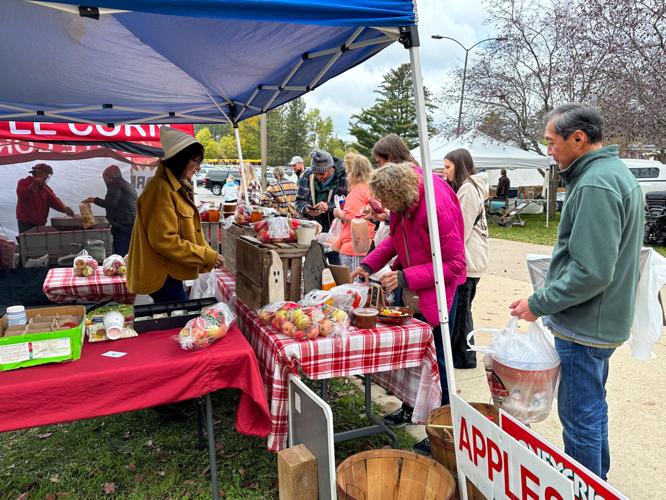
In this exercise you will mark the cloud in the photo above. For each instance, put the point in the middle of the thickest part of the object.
(348, 93)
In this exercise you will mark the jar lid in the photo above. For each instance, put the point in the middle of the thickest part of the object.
(366, 311)
(15, 309)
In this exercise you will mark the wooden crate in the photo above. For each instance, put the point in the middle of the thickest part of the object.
(229, 237)
(253, 262)
(212, 232)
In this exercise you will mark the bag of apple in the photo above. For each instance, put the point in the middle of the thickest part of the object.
(276, 230)
(84, 265)
(114, 265)
(304, 323)
(212, 325)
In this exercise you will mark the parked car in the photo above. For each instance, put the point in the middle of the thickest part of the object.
(216, 177)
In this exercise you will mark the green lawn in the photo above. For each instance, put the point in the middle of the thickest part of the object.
(143, 455)
(535, 231)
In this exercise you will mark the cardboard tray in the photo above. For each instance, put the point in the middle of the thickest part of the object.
(192, 306)
(32, 349)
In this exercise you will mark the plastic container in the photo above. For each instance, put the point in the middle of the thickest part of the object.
(305, 234)
(16, 315)
(365, 318)
(360, 236)
(113, 324)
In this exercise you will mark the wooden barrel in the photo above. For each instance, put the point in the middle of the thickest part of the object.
(441, 440)
(390, 474)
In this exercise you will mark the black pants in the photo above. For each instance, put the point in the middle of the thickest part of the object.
(121, 239)
(462, 325)
(171, 291)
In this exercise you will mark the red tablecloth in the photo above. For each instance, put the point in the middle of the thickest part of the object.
(402, 359)
(61, 285)
(154, 371)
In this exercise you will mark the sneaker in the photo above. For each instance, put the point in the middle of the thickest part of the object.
(422, 447)
(398, 418)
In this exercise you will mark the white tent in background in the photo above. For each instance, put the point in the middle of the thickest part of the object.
(487, 153)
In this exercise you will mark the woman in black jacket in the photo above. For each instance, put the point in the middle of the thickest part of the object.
(120, 205)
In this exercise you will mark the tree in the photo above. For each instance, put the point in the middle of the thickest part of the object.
(320, 134)
(393, 112)
(295, 129)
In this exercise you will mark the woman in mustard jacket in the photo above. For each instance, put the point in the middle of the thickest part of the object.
(167, 243)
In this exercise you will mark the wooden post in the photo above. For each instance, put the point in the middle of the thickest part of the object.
(297, 474)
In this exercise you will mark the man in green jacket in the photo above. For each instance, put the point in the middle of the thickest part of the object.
(589, 294)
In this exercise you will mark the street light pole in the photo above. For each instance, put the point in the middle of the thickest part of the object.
(466, 49)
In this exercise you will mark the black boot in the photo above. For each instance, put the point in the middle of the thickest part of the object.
(399, 418)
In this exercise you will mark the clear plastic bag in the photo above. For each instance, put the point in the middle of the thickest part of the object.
(523, 370)
(304, 323)
(205, 286)
(276, 230)
(114, 265)
(212, 325)
(84, 264)
(346, 297)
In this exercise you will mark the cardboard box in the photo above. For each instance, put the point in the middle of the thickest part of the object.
(38, 348)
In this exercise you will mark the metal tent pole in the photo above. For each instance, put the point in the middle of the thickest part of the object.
(263, 138)
(548, 197)
(242, 168)
(410, 39)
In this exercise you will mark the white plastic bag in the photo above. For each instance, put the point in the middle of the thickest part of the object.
(205, 286)
(523, 370)
(346, 297)
(84, 264)
(212, 325)
(114, 265)
(649, 315)
(382, 233)
(279, 228)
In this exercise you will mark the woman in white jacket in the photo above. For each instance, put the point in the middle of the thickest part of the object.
(472, 191)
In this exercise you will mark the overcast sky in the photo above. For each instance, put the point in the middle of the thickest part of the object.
(348, 93)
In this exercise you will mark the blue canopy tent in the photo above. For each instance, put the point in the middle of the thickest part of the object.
(115, 62)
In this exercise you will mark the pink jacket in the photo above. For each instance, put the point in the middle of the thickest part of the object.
(419, 274)
(355, 202)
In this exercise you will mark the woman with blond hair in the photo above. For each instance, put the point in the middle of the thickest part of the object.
(251, 184)
(359, 172)
(400, 188)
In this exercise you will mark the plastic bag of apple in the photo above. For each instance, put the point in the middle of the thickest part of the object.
(84, 265)
(114, 265)
(304, 323)
(276, 230)
(212, 325)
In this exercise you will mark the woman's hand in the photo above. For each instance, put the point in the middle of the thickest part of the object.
(390, 281)
(339, 214)
(90, 199)
(360, 271)
(219, 261)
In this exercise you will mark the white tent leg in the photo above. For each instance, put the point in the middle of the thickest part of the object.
(263, 139)
(242, 169)
(548, 197)
(433, 227)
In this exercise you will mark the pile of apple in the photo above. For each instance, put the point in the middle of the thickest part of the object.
(84, 265)
(262, 228)
(114, 265)
(303, 323)
(199, 333)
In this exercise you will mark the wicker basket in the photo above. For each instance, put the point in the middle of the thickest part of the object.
(391, 474)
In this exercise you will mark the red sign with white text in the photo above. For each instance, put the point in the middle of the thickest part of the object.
(587, 486)
(44, 131)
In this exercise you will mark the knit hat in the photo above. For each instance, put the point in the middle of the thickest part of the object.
(295, 160)
(174, 141)
(321, 161)
(43, 168)
(111, 173)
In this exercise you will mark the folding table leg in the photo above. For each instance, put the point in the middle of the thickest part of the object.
(371, 430)
(211, 446)
(201, 424)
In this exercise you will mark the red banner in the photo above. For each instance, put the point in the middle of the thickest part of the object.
(43, 131)
(12, 151)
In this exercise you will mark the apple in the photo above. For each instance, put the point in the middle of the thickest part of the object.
(313, 333)
(79, 263)
(325, 327)
(109, 271)
(302, 322)
(288, 328)
(122, 270)
(299, 335)
(87, 271)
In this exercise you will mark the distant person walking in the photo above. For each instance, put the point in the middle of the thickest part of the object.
(281, 194)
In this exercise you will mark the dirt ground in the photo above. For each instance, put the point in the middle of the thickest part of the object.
(636, 398)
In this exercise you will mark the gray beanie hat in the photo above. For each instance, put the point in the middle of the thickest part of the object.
(321, 161)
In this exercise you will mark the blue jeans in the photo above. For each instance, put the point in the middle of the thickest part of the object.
(581, 404)
(172, 291)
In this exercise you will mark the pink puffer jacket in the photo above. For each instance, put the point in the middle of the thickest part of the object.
(419, 274)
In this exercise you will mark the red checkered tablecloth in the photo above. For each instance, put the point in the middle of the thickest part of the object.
(402, 358)
(61, 285)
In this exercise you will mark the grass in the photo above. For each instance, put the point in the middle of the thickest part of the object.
(535, 231)
(143, 455)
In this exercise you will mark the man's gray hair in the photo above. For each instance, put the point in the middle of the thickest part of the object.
(574, 116)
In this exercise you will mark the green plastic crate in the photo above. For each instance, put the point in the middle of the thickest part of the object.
(21, 351)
